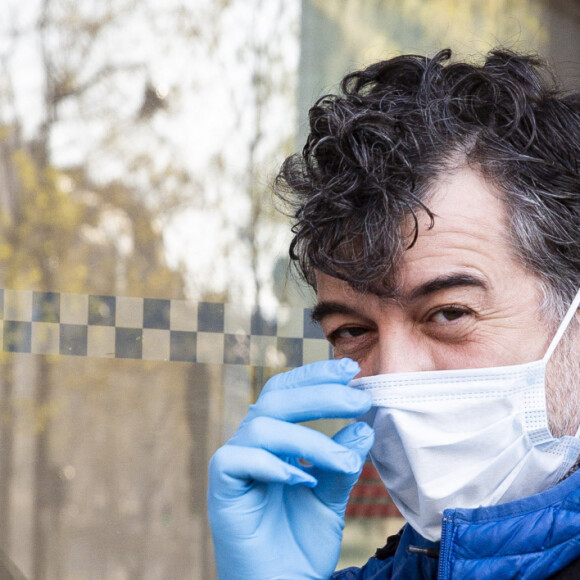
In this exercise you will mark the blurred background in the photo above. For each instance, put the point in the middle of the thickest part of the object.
(144, 287)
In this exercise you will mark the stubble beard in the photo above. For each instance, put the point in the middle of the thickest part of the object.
(563, 386)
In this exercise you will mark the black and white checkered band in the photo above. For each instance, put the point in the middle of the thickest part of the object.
(52, 323)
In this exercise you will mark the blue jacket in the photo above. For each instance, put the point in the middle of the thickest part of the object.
(532, 539)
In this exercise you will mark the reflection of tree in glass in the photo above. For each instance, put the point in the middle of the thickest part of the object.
(69, 221)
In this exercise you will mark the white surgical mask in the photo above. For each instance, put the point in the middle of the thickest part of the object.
(465, 438)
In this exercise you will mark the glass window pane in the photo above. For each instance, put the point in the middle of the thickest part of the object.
(144, 288)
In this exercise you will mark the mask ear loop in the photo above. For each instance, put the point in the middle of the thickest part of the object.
(563, 327)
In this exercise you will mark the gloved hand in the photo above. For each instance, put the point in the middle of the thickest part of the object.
(271, 515)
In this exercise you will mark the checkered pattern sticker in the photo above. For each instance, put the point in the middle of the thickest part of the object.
(152, 329)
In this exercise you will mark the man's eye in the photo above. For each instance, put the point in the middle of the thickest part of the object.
(446, 315)
(347, 332)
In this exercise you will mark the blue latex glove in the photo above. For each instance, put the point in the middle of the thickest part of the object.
(271, 515)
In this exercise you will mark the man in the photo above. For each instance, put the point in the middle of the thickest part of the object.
(437, 215)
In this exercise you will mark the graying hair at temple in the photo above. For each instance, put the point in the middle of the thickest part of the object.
(375, 148)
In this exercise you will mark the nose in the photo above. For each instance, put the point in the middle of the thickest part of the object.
(398, 350)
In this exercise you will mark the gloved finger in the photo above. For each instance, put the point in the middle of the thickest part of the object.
(357, 436)
(333, 489)
(297, 441)
(232, 468)
(314, 402)
(340, 371)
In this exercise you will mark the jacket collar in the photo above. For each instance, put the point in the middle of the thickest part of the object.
(539, 533)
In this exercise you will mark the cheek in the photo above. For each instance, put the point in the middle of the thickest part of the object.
(462, 357)
(497, 344)
(489, 346)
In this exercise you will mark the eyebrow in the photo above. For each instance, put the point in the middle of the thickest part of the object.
(444, 282)
(326, 308)
(454, 280)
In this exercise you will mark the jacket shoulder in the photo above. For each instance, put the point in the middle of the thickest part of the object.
(379, 566)
(373, 570)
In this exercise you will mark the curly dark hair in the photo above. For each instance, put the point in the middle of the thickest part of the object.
(375, 149)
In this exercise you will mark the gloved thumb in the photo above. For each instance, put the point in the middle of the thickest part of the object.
(334, 488)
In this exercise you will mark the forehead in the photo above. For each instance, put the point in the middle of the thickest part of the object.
(469, 234)
(468, 213)
(464, 196)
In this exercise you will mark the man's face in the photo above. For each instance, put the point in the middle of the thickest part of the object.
(464, 301)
